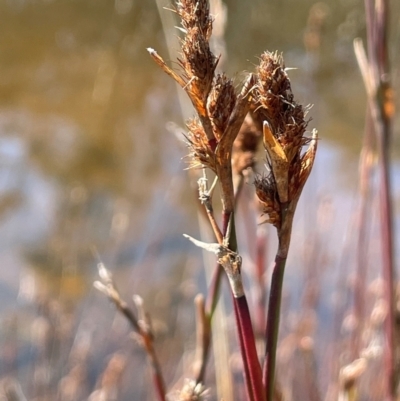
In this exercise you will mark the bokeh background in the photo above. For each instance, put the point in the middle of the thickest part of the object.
(90, 170)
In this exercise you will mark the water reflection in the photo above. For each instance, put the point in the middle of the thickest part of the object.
(86, 161)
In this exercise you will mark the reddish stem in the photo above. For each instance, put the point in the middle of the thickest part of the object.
(157, 376)
(261, 293)
(252, 368)
(212, 143)
(147, 343)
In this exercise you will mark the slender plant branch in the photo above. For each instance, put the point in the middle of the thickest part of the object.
(261, 264)
(376, 74)
(247, 339)
(272, 330)
(212, 297)
(231, 262)
(205, 196)
(203, 339)
(141, 326)
(365, 176)
(275, 297)
(252, 369)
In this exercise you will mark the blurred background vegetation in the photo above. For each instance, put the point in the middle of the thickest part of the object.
(87, 162)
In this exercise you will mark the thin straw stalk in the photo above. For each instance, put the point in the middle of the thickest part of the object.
(376, 73)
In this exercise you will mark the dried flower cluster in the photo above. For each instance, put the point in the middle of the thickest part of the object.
(220, 110)
(224, 137)
(200, 152)
(220, 104)
(284, 126)
(221, 118)
(245, 146)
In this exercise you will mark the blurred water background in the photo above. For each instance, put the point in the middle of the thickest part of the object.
(87, 162)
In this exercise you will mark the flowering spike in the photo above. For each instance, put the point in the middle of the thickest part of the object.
(284, 125)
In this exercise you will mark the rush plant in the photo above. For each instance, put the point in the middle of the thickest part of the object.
(266, 102)
(231, 121)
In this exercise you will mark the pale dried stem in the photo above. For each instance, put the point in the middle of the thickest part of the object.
(203, 337)
(141, 326)
(205, 196)
(375, 72)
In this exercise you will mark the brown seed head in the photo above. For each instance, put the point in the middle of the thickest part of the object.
(195, 14)
(273, 91)
(197, 61)
(200, 152)
(275, 103)
(268, 196)
(284, 125)
(245, 146)
(292, 140)
(220, 103)
(198, 64)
